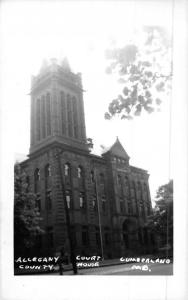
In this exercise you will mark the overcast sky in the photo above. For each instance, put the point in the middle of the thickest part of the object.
(32, 31)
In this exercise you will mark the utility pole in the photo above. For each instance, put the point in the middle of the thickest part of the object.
(72, 254)
(99, 216)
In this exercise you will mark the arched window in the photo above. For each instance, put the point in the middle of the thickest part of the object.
(103, 199)
(67, 169)
(80, 172)
(75, 117)
(122, 205)
(68, 198)
(38, 202)
(82, 200)
(49, 200)
(127, 187)
(37, 175)
(92, 177)
(36, 179)
(119, 180)
(63, 112)
(48, 114)
(146, 194)
(69, 113)
(43, 117)
(27, 183)
(38, 120)
(139, 189)
(47, 171)
(94, 203)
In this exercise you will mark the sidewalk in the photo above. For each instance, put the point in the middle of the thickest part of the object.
(103, 263)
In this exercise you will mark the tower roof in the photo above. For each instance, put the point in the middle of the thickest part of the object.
(117, 150)
(65, 64)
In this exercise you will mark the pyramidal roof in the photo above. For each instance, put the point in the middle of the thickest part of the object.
(65, 64)
(117, 149)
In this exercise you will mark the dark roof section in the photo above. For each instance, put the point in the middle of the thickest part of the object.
(117, 150)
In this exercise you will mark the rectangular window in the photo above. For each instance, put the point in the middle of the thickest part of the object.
(94, 203)
(129, 207)
(49, 200)
(122, 205)
(82, 200)
(38, 202)
(103, 205)
(68, 199)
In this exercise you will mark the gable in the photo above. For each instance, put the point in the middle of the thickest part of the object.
(117, 150)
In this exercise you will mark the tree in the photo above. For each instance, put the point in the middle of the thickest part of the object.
(26, 214)
(144, 70)
(161, 222)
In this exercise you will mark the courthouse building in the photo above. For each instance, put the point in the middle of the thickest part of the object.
(107, 199)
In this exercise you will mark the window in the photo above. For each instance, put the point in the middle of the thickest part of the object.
(148, 209)
(47, 171)
(69, 113)
(119, 180)
(38, 202)
(49, 200)
(142, 209)
(67, 169)
(85, 236)
(75, 117)
(80, 172)
(92, 177)
(37, 175)
(82, 200)
(122, 205)
(68, 198)
(101, 178)
(94, 203)
(48, 113)
(38, 119)
(129, 206)
(43, 115)
(63, 112)
(127, 186)
(27, 184)
(103, 204)
(36, 180)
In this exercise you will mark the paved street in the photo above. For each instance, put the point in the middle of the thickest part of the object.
(127, 269)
